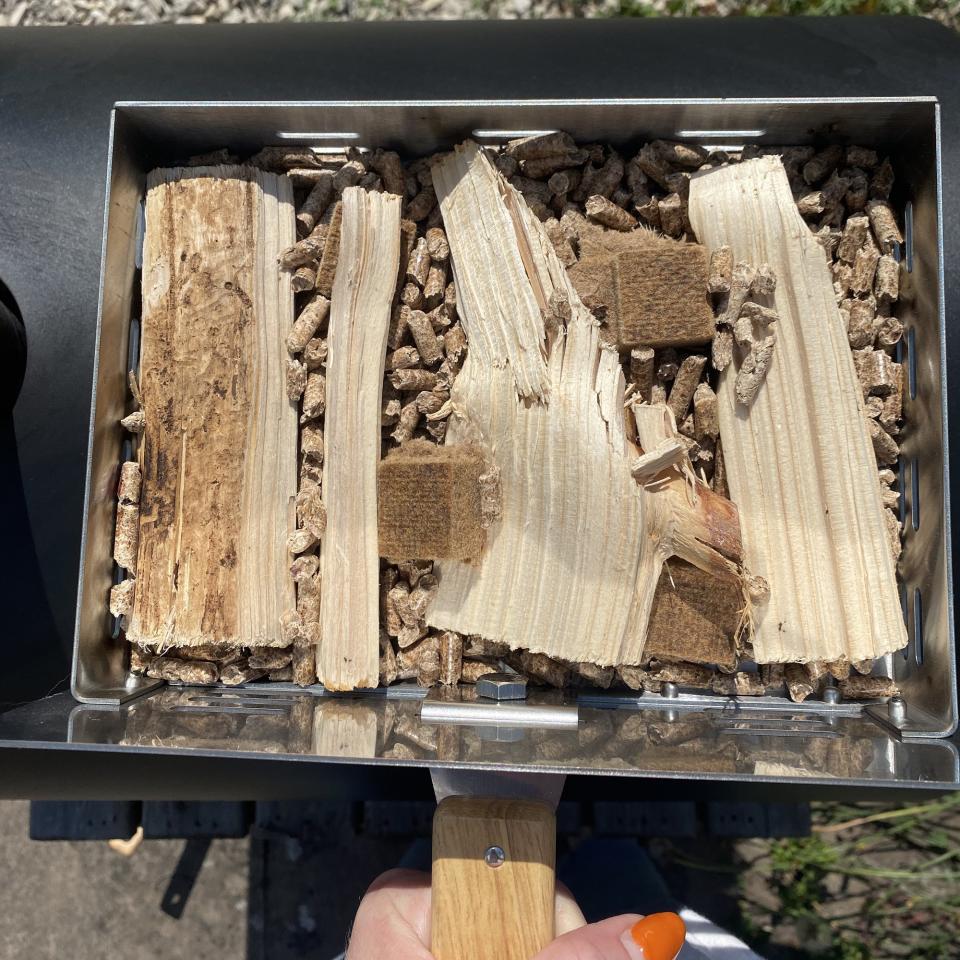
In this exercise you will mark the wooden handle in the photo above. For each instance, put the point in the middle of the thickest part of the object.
(485, 912)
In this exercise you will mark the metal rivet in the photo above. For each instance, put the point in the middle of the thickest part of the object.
(494, 856)
(831, 695)
(897, 709)
(669, 689)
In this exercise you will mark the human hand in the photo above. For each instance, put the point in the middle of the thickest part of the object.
(393, 923)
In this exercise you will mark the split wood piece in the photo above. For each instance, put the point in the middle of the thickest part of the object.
(654, 290)
(800, 463)
(363, 291)
(564, 463)
(216, 504)
(490, 273)
(695, 618)
(429, 501)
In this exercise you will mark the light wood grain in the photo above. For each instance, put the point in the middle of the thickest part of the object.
(799, 461)
(219, 443)
(579, 540)
(492, 913)
(344, 728)
(349, 653)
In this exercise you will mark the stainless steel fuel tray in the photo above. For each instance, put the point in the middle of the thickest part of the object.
(702, 736)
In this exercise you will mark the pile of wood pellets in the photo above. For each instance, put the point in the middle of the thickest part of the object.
(843, 192)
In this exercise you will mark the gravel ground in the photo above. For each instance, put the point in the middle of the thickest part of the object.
(34, 12)
(28, 12)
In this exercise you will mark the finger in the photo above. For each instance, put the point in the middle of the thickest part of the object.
(629, 937)
(567, 914)
(393, 922)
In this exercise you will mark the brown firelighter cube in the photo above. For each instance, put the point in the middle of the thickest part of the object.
(694, 618)
(429, 502)
(654, 291)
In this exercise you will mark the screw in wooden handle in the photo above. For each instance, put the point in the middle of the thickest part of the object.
(493, 879)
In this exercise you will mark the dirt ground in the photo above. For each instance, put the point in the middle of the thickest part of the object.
(84, 900)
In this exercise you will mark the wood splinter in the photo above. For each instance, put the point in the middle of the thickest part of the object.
(667, 453)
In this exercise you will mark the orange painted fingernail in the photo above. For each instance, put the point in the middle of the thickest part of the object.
(659, 936)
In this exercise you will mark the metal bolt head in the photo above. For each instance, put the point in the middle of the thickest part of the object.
(491, 733)
(494, 856)
(831, 695)
(502, 686)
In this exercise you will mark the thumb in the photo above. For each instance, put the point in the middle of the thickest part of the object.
(659, 936)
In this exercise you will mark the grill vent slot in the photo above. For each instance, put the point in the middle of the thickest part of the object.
(917, 626)
(912, 362)
(915, 493)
